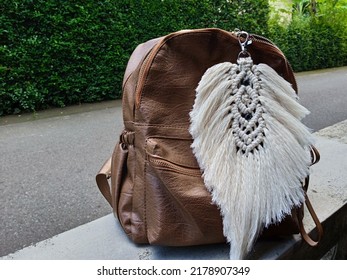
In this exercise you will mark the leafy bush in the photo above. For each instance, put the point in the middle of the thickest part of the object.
(58, 53)
(314, 38)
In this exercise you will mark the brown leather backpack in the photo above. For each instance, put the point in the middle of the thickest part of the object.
(157, 191)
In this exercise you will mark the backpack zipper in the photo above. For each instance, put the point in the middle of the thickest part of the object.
(153, 52)
(160, 162)
(145, 67)
(261, 39)
(151, 55)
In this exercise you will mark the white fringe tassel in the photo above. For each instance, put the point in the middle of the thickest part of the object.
(252, 147)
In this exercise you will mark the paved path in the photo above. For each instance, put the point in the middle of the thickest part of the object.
(49, 160)
(104, 239)
(47, 170)
(324, 93)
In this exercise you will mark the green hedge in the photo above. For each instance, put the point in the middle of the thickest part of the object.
(312, 42)
(58, 53)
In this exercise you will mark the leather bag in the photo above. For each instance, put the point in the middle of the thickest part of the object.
(157, 191)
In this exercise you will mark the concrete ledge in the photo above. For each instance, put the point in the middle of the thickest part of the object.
(104, 238)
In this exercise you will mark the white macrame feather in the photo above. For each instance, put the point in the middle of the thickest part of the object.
(252, 147)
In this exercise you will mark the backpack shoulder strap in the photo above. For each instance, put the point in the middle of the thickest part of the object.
(102, 180)
(318, 224)
(315, 156)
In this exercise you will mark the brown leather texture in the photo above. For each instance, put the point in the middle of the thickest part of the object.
(157, 189)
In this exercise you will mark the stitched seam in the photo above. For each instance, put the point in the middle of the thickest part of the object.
(159, 125)
(145, 191)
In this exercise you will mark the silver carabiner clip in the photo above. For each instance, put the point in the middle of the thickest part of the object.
(244, 41)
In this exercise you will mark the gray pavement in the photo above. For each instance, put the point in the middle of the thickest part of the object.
(47, 170)
(49, 160)
(104, 239)
(324, 93)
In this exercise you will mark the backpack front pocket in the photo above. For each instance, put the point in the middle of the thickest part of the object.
(179, 209)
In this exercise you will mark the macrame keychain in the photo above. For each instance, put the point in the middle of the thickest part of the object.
(251, 146)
